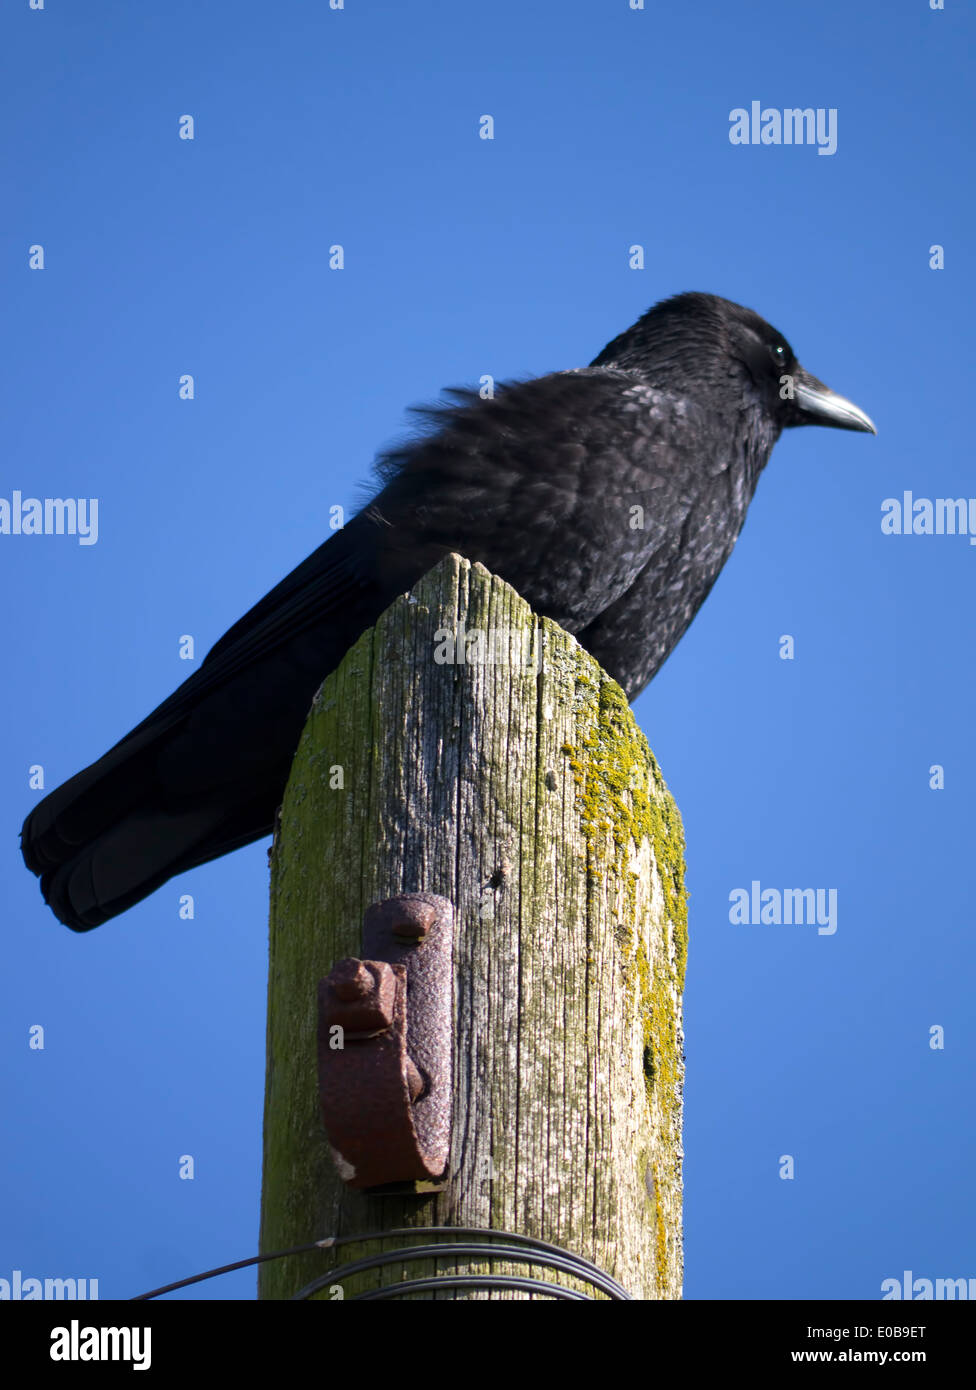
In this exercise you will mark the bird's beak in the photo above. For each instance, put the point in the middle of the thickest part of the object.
(818, 405)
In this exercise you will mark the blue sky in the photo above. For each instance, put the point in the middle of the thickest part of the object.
(463, 257)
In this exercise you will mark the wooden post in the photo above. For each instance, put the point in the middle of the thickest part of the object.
(522, 790)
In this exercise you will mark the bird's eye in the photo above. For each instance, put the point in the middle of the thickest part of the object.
(779, 352)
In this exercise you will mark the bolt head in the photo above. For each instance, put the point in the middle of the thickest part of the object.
(412, 920)
(350, 980)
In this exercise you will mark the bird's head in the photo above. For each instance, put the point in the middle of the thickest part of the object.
(698, 344)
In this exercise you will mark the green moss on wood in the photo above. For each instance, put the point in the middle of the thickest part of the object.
(625, 802)
(535, 804)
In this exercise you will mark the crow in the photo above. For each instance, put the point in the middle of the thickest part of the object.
(608, 496)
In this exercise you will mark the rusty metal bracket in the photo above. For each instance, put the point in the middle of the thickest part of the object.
(384, 1045)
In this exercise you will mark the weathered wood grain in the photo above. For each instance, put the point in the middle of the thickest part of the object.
(524, 792)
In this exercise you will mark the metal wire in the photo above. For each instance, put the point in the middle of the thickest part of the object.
(463, 1281)
(528, 1253)
(238, 1264)
(540, 1252)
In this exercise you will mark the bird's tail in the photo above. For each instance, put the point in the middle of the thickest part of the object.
(106, 838)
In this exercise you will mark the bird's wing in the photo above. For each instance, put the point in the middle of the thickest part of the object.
(332, 576)
(328, 583)
(565, 485)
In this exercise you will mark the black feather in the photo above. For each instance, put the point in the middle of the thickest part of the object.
(609, 497)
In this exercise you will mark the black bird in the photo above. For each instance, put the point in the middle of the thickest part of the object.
(609, 496)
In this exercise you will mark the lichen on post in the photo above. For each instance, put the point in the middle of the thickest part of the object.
(469, 748)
